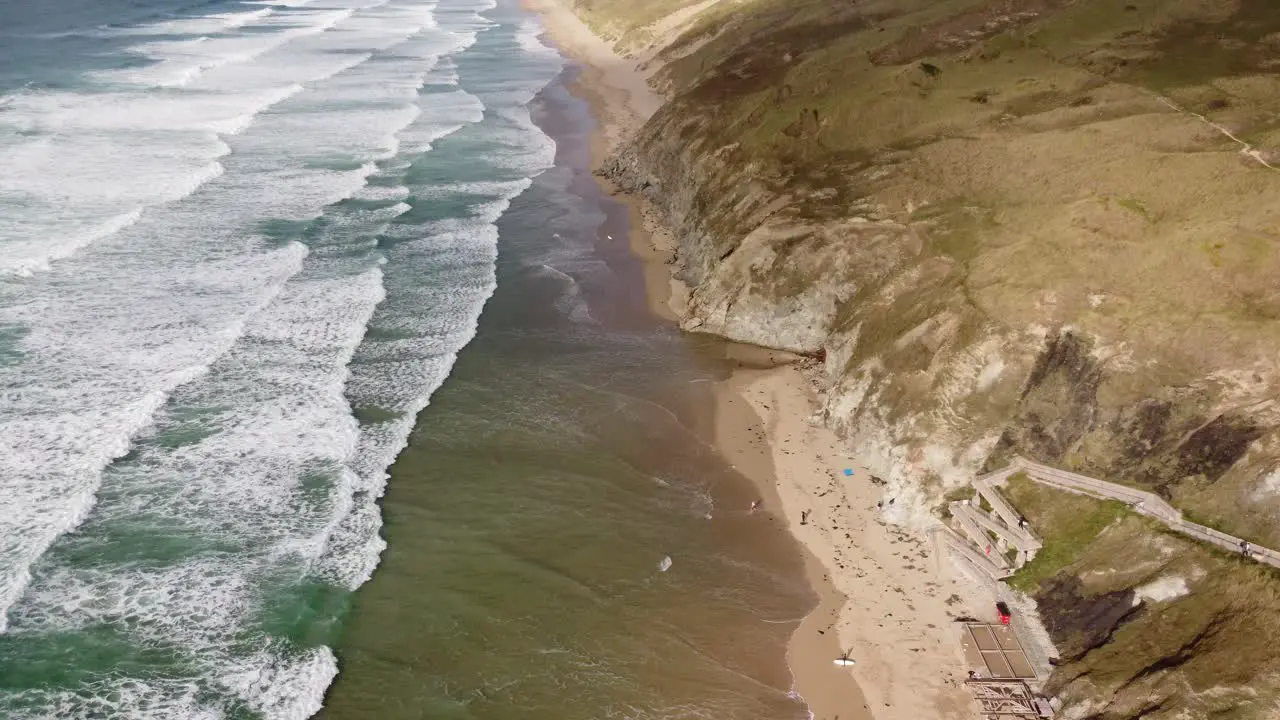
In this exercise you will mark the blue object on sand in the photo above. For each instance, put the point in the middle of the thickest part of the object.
(848, 472)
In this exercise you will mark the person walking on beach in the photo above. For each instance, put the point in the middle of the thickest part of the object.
(754, 504)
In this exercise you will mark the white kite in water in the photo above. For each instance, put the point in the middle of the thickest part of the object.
(665, 564)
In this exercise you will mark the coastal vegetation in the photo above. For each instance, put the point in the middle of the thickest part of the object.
(1032, 227)
(1068, 523)
(1148, 623)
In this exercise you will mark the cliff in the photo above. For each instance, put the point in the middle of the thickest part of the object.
(1044, 227)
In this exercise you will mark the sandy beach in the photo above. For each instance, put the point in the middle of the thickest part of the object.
(887, 598)
(621, 100)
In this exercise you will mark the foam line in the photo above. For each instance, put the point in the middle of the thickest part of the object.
(180, 449)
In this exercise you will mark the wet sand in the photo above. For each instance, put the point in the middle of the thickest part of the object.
(887, 598)
(565, 456)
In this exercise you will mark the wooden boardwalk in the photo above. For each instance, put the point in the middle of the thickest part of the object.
(1008, 700)
(992, 534)
(961, 546)
(1142, 502)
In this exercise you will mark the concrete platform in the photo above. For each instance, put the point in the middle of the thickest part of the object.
(993, 651)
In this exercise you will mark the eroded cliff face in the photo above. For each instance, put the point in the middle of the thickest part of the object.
(1039, 227)
(918, 371)
(1076, 265)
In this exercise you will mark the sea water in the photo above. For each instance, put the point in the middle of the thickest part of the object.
(213, 262)
(241, 247)
(530, 516)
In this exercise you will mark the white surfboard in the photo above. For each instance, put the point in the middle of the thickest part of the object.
(844, 661)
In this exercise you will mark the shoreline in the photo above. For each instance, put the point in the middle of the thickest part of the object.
(527, 590)
(860, 569)
(621, 101)
(649, 242)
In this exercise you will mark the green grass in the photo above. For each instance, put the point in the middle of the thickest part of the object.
(955, 227)
(1021, 233)
(1068, 524)
(943, 509)
(1214, 648)
(1136, 206)
(1218, 643)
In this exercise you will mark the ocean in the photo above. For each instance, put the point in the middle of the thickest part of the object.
(245, 248)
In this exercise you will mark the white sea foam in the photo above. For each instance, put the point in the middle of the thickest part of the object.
(571, 302)
(29, 252)
(448, 113)
(221, 358)
(529, 38)
(382, 193)
(79, 411)
(532, 155)
(280, 3)
(178, 62)
(201, 25)
(94, 383)
(291, 689)
(230, 21)
(444, 73)
(74, 159)
(405, 371)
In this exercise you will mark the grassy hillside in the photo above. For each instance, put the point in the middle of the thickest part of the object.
(1149, 623)
(1026, 142)
(1046, 227)
(1041, 170)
